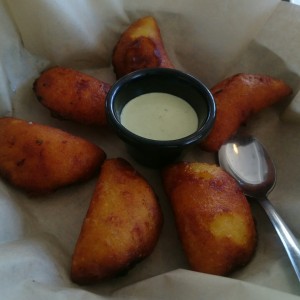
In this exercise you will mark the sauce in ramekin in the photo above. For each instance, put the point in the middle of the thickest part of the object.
(159, 116)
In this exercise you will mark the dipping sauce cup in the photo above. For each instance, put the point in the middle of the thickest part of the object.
(144, 144)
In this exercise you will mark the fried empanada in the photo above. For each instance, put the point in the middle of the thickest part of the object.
(40, 159)
(237, 98)
(140, 46)
(72, 95)
(121, 227)
(212, 215)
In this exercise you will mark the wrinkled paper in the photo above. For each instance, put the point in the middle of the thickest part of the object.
(209, 39)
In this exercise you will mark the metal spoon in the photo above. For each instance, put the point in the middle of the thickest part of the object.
(247, 161)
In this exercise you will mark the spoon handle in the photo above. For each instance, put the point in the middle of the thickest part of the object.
(289, 241)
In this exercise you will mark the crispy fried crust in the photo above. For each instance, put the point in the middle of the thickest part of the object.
(40, 159)
(237, 98)
(121, 227)
(72, 95)
(212, 215)
(140, 46)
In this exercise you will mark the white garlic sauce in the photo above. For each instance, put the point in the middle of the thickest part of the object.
(159, 116)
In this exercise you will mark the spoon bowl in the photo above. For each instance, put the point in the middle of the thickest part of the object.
(248, 161)
(245, 158)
